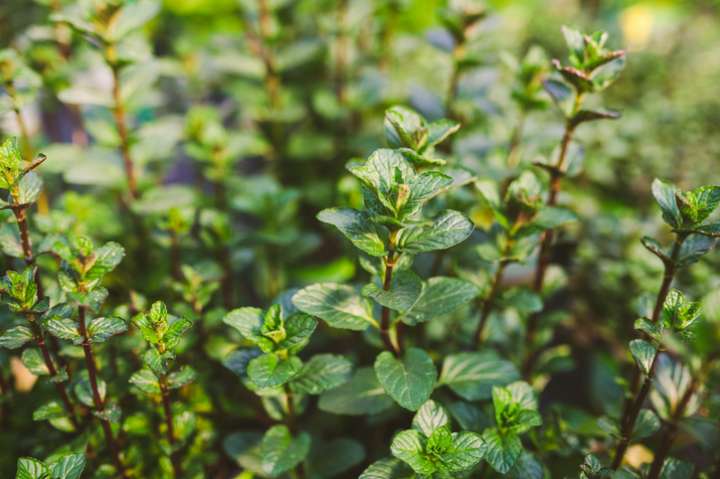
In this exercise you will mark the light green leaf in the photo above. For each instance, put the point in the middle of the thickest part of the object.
(357, 227)
(405, 127)
(449, 229)
(29, 468)
(33, 360)
(404, 292)
(280, 452)
(429, 417)
(643, 352)
(646, 425)
(132, 16)
(409, 446)
(527, 467)
(441, 295)
(146, 381)
(16, 337)
(101, 329)
(68, 467)
(409, 381)
(665, 195)
(465, 453)
(64, 328)
(502, 452)
(269, 370)
(472, 375)
(180, 378)
(388, 468)
(247, 321)
(321, 373)
(361, 395)
(338, 305)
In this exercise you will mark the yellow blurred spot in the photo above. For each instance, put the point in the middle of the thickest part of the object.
(637, 455)
(637, 24)
(24, 379)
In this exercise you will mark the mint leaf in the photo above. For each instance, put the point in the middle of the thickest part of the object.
(338, 305)
(410, 380)
(362, 394)
(473, 375)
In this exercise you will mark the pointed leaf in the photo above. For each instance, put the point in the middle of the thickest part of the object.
(409, 381)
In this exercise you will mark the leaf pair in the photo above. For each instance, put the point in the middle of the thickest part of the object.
(430, 448)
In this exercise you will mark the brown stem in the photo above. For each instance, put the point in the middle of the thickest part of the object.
(21, 218)
(545, 244)
(633, 406)
(385, 312)
(489, 303)
(98, 401)
(170, 427)
(121, 125)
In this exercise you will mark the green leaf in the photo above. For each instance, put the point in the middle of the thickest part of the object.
(338, 305)
(440, 130)
(51, 410)
(422, 188)
(527, 467)
(107, 257)
(409, 381)
(330, 459)
(361, 395)
(465, 453)
(84, 393)
(248, 321)
(677, 469)
(321, 373)
(33, 360)
(654, 247)
(666, 196)
(64, 328)
(68, 467)
(405, 127)
(593, 115)
(101, 329)
(244, 448)
(29, 468)
(404, 291)
(501, 451)
(180, 378)
(472, 375)
(429, 417)
(515, 407)
(409, 446)
(449, 229)
(549, 217)
(146, 381)
(384, 173)
(357, 227)
(440, 296)
(646, 425)
(694, 248)
(280, 452)
(388, 468)
(696, 205)
(15, 337)
(299, 327)
(269, 370)
(131, 17)
(30, 186)
(643, 352)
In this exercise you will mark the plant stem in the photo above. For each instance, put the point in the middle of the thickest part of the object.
(20, 212)
(170, 427)
(632, 407)
(515, 140)
(98, 401)
(489, 303)
(549, 235)
(121, 125)
(385, 312)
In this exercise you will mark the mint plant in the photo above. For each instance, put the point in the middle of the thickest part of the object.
(686, 213)
(592, 68)
(176, 301)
